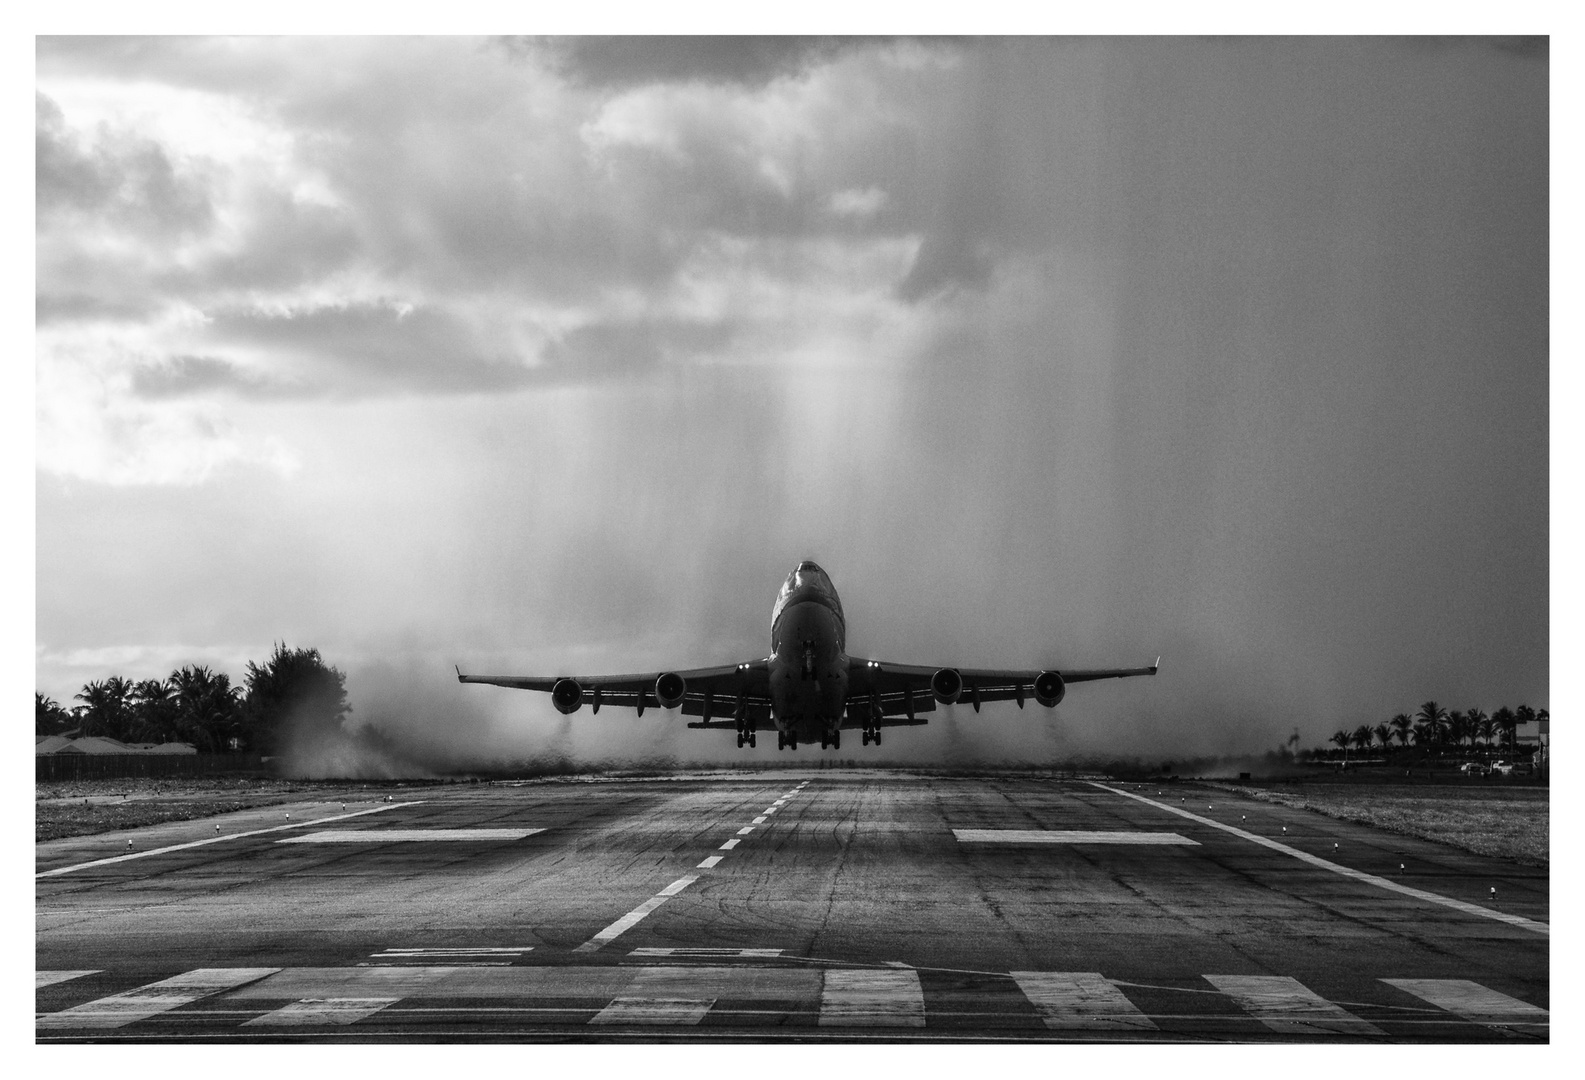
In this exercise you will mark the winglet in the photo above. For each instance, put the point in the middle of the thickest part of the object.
(1155, 666)
(459, 672)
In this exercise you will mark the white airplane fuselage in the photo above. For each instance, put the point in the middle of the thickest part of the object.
(808, 662)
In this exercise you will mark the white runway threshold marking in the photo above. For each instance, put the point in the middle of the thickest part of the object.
(312, 1011)
(387, 836)
(1473, 1001)
(1081, 1001)
(1066, 836)
(1346, 871)
(868, 998)
(118, 1010)
(218, 839)
(1288, 1007)
(632, 918)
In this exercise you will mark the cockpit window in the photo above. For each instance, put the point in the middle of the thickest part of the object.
(806, 565)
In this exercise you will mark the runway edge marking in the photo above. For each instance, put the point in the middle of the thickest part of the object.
(1337, 868)
(218, 839)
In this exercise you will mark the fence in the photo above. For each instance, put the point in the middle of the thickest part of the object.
(49, 767)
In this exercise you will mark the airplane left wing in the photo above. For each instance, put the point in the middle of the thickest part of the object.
(721, 694)
(886, 690)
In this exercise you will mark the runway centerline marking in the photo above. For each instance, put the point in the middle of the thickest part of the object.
(710, 862)
(729, 845)
(745, 830)
(384, 836)
(1067, 836)
(632, 918)
(760, 820)
(1337, 868)
(218, 839)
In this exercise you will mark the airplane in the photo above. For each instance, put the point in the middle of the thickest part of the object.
(808, 686)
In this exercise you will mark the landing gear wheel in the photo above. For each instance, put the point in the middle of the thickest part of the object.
(781, 740)
(836, 740)
(877, 739)
(792, 741)
(751, 739)
(740, 740)
(866, 737)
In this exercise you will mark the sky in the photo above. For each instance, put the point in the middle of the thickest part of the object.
(554, 355)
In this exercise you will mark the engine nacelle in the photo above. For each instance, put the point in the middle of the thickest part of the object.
(669, 689)
(1049, 688)
(566, 695)
(947, 685)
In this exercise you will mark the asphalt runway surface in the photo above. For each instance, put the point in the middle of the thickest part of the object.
(810, 905)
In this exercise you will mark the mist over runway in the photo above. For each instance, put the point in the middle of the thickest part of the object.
(786, 904)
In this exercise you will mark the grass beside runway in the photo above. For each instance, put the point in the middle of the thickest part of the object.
(86, 807)
(1505, 822)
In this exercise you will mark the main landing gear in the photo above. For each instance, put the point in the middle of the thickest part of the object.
(872, 735)
(786, 740)
(833, 741)
(745, 737)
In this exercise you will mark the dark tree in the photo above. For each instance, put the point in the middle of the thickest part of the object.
(154, 711)
(1435, 719)
(108, 708)
(1402, 725)
(294, 693)
(207, 707)
(1503, 721)
(1361, 737)
(1340, 739)
(48, 716)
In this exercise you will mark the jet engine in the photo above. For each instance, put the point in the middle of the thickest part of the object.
(947, 685)
(1049, 688)
(566, 695)
(669, 689)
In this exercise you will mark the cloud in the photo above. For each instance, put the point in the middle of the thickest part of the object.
(624, 62)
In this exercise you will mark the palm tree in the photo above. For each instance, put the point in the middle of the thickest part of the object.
(1424, 734)
(1384, 733)
(108, 707)
(48, 716)
(1402, 725)
(1487, 729)
(1361, 737)
(155, 703)
(206, 706)
(1475, 718)
(1435, 719)
(1502, 722)
(1341, 739)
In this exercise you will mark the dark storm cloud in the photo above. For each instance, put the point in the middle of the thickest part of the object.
(631, 347)
(131, 182)
(185, 375)
(624, 62)
(364, 347)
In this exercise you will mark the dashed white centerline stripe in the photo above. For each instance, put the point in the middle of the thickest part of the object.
(217, 839)
(1346, 871)
(745, 830)
(711, 861)
(760, 820)
(632, 918)
(729, 845)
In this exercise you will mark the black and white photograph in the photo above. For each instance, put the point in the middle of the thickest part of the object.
(456, 459)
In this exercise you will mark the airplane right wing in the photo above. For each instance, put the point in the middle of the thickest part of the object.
(720, 695)
(887, 691)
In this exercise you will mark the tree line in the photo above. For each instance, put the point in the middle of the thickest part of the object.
(292, 689)
(1438, 730)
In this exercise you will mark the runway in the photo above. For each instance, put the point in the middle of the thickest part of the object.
(786, 905)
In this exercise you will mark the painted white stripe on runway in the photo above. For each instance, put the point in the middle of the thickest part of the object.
(1289, 1007)
(728, 846)
(1346, 871)
(632, 918)
(780, 802)
(769, 810)
(742, 954)
(760, 820)
(642, 1010)
(1080, 1001)
(1066, 836)
(1472, 1001)
(869, 998)
(386, 836)
(118, 1010)
(42, 979)
(745, 830)
(218, 839)
(459, 949)
(708, 863)
(312, 1011)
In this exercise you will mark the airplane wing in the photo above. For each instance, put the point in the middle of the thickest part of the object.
(900, 691)
(718, 694)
